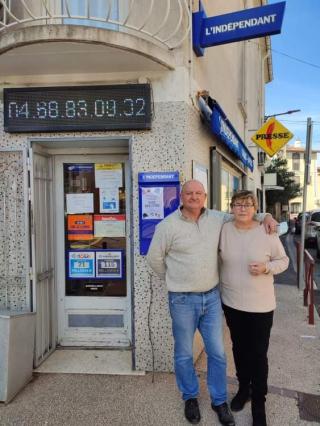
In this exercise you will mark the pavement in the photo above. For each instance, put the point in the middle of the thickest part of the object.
(82, 399)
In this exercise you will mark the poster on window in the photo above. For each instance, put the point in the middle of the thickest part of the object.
(152, 203)
(80, 227)
(109, 226)
(109, 199)
(81, 264)
(200, 173)
(108, 175)
(79, 203)
(109, 264)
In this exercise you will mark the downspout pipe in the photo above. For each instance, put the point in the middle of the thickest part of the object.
(262, 112)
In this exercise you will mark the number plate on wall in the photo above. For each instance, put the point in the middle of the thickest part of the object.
(50, 109)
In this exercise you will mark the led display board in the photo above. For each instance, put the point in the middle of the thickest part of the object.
(81, 108)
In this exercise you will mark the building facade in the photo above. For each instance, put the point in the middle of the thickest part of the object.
(94, 93)
(295, 155)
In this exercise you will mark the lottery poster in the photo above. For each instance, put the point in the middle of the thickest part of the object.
(80, 227)
(81, 264)
(109, 264)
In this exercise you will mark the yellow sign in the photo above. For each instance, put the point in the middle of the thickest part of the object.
(110, 166)
(272, 136)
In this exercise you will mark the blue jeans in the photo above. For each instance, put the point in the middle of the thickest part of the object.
(202, 311)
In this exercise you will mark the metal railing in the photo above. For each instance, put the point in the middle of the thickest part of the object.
(166, 22)
(308, 292)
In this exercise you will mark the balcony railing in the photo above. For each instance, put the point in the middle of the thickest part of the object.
(165, 22)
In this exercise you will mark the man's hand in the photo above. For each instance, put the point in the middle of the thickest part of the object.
(257, 268)
(270, 224)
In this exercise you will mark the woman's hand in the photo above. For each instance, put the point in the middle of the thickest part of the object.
(257, 268)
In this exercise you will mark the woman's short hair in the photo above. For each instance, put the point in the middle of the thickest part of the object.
(244, 194)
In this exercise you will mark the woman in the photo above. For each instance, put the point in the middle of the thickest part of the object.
(249, 259)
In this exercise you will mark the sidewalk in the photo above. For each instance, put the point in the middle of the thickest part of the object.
(78, 399)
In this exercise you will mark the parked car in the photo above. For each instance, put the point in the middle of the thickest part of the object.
(298, 223)
(312, 224)
(318, 242)
(283, 228)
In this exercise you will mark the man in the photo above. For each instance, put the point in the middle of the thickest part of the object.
(184, 252)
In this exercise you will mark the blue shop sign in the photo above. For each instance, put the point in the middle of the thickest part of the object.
(222, 128)
(149, 177)
(243, 25)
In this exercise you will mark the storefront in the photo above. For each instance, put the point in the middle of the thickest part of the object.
(100, 100)
(81, 228)
(71, 208)
(230, 158)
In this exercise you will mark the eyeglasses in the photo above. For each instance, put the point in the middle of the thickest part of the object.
(244, 206)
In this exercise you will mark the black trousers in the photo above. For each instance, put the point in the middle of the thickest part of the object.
(250, 335)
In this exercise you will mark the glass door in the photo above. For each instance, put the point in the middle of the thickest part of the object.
(93, 237)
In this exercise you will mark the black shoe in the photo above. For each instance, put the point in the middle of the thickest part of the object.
(258, 414)
(191, 411)
(224, 414)
(239, 401)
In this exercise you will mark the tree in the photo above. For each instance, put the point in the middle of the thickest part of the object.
(285, 178)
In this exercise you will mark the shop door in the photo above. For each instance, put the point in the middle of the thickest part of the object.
(44, 295)
(93, 247)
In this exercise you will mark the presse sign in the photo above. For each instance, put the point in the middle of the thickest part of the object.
(272, 136)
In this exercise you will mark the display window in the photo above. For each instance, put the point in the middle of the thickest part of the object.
(230, 183)
(95, 229)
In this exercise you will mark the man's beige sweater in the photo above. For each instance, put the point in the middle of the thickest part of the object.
(239, 289)
(185, 253)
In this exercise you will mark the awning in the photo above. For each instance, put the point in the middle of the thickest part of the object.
(222, 128)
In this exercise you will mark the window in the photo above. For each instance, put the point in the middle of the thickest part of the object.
(295, 207)
(296, 161)
(97, 9)
(224, 191)
(315, 217)
(95, 255)
(261, 158)
(229, 185)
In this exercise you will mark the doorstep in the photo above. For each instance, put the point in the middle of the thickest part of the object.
(89, 361)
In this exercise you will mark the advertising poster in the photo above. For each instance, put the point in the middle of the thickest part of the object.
(110, 226)
(79, 203)
(152, 203)
(107, 175)
(81, 264)
(109, 199)
(200, 173)
(109, 264)
(80, 227)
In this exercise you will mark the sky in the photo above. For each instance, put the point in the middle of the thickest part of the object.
(296, 77)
